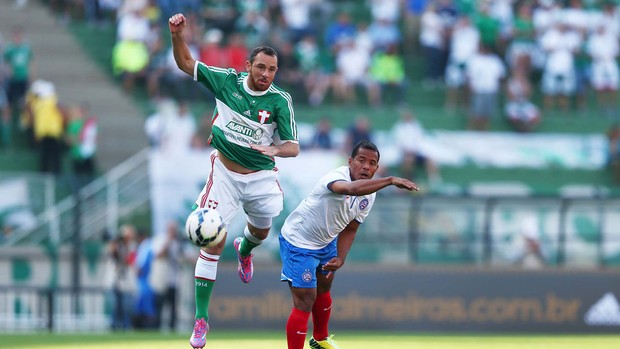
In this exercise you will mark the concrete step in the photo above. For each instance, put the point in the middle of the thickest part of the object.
(61, 60)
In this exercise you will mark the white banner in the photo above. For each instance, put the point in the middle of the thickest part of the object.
(176, 181)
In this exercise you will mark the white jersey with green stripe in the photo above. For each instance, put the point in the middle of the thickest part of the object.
(243, 117)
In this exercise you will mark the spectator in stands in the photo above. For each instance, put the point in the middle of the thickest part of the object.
(19, 60)
(545, 16)
(322, 138)
(384, 33)
(130, 60)
(522, 114)
(489, 28)
(168, 256)
(602, 46)
(47, 119)
(130, 56)
(180, 129)
(120, 277)
(359, 131)
(408, 134)
(171, 128)
(236, 52)
(144, 314)
(523, 46)
(363, 38)
(576, 17)
(609, 17)
(296, 16)
(464, 43)
(352, 70)
(434, 46)
(254, 26)
(336, 31)
(211, 50)
(317, 74)
(485, 70)
(388, 70)
(81, 137)
(559, 79)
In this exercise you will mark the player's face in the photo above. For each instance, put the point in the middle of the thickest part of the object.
(261, 72)
(364, 164)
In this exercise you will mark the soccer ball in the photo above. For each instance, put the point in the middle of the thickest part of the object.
(205, 227)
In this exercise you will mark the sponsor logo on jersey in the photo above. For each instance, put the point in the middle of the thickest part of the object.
(244, 130)
(363, 204)
(236, 95)
(247, 113)
(263, 116)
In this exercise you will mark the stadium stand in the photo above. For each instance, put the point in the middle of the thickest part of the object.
(58, 58)
(121, 117)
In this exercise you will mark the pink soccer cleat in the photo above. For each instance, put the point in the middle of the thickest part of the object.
(245, 266)
(199, 337)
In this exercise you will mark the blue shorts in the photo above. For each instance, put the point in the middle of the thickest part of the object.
(300, 265)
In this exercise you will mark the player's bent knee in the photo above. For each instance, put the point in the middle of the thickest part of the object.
(260, 222)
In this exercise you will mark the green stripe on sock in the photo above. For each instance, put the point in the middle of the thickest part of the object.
(203, 290)
(246, 247)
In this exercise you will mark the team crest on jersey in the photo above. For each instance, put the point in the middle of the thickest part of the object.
(263, 116)
(306, 276)
(363, 204)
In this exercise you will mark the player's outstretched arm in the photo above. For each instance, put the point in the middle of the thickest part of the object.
(182, 55)
(369, 186)
(284, 150)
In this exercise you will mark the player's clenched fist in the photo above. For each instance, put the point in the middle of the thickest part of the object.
(176, 23)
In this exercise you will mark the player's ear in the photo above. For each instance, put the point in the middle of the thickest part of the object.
(248, 66)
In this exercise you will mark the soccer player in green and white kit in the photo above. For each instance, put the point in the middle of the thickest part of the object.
(249, 110)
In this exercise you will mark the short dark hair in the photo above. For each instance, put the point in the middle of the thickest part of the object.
(269, 51)
(365, 145)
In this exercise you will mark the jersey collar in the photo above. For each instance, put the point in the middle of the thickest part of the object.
(251, 92)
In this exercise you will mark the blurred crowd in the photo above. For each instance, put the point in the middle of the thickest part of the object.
(142, 276)
(491, 59)
(30, 110)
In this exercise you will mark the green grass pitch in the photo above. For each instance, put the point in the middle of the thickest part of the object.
(346, 340)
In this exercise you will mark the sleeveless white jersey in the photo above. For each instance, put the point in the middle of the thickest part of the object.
(243, 117)
(322, 215)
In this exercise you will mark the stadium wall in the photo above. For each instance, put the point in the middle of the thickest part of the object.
(366, 297)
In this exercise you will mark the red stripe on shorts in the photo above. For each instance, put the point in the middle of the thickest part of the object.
(203, 200)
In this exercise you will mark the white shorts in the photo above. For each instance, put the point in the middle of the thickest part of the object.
(455, 75)
(605, 75)
(559, 84)
(259, 193)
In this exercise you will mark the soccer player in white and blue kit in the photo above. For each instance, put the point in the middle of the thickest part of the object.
(249, 111)
(316, 238)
